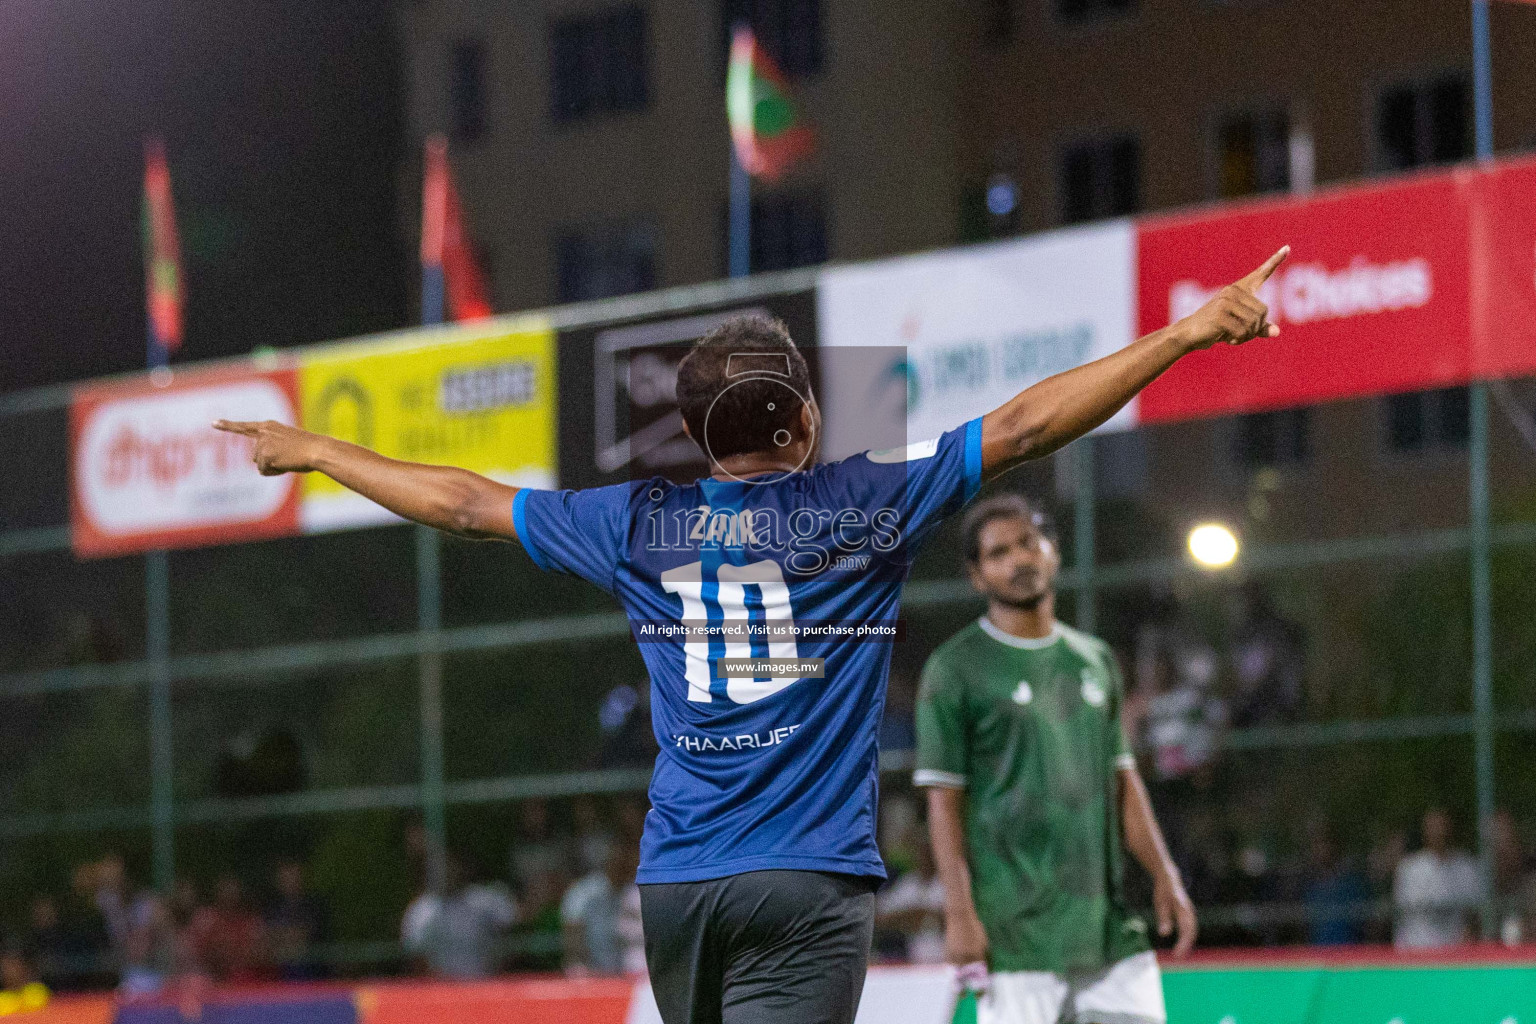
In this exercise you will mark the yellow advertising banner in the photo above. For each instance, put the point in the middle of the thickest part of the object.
(484, 402)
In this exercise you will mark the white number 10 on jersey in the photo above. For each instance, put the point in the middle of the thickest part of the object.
(687, 582)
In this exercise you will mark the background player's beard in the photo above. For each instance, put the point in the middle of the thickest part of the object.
(1028, 604)
(1036, 586)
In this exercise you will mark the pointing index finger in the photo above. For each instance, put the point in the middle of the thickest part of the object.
(235, 427)
(1258, 277)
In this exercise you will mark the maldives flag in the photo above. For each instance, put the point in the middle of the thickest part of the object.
(448, 266)
(766, 126)
(162, 254)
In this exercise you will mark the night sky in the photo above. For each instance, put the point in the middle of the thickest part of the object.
(283, 124)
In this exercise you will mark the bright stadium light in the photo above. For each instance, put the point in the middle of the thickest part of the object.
(1213, 545)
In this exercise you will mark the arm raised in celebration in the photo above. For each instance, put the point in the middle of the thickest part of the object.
(445, 497)
(1059, 409)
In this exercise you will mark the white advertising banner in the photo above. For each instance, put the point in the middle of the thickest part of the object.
(947, 336)
(150, 471)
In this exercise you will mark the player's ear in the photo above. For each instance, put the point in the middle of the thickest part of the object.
(688, 433)
(810, 418)
(973, 574)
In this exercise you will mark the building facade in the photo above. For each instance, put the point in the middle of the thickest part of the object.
(590, 142)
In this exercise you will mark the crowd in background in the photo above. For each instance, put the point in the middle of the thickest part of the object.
(565, 895)
(574, 888)
(106, 931)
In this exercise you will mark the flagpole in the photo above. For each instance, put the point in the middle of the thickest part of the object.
(740, 261)
(157, 602)
(1479, 517)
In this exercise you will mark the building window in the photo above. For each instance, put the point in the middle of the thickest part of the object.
(1428, 420)
(1268, 439)
(1423, 123)
(789, 30)
(1253, 153)
(788, 230)
(996, 18)
(466, 90)
(596, 264)
(598, 64)
(1100, 178)
(1087, 10)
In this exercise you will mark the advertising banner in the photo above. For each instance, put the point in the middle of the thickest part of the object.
(618, 392)
(1370, 302)
(951, 335)
(1503, 238)
(149, 471)
(481, 401)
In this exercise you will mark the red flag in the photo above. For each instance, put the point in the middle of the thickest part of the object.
(162, 253)
(448, 265)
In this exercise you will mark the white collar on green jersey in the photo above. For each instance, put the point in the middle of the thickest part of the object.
(1026, 643)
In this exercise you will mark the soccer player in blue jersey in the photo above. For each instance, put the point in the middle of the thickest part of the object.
(764, 599)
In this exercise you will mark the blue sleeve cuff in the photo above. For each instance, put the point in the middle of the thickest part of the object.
(520, 524)
(972, 460)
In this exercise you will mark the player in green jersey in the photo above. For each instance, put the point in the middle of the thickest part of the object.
(1032, 790)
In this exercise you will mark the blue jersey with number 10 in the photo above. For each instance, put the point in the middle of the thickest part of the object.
(770, 765)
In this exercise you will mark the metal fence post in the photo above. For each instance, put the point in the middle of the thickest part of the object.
(157, 642)
(1478, 515)
(429, 619)
(1083, 535)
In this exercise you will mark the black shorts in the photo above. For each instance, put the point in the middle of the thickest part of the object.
(765, 947)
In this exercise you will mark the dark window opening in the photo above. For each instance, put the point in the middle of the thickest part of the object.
(605, 262)
(1268, 439)
(466, 91)
(1424, 123)
(599, 64)
(1253, 154)
(1101, 178)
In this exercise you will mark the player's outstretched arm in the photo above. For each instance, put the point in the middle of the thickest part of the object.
(1059, 409)
(450, 499)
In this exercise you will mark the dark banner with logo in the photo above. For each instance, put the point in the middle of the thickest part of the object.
(618, 415)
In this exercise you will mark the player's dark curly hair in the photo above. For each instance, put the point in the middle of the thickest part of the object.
(1010, 505)
(731, 377)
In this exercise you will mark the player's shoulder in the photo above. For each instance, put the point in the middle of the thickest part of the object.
(1090, 647)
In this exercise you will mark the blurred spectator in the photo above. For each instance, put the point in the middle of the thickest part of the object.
(20, 989)
(1178, 668)
(90, 945)
(591, 911)
(46, 944)
(1435, 890)
(537, 852)
(1335, 893)
(111, 900)
(226, 938)
(631, 930)
(1512, 879)
(150, 950)
(593, 839)
(624, 718)
(458, 933)
(541, 869)
(911, 910)
(297, 920)
(1268, 660)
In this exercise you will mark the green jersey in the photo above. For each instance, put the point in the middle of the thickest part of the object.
(1031, 730)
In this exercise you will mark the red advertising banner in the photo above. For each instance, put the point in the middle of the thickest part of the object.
(1374, 298)
(1503, 242)
(149, 471)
